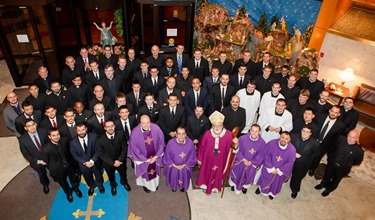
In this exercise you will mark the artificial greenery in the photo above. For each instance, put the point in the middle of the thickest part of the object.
(118, 20)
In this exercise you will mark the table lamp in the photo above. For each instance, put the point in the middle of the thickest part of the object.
(347, 75)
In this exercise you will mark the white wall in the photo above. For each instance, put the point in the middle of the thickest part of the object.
(340, 53)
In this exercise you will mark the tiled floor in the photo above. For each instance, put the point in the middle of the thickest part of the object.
(352, 200)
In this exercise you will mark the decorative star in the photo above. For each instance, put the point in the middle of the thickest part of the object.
(215, 167)
(182, 155)
(252, 151)
(152, 171)
(148, 140)
(279, 158)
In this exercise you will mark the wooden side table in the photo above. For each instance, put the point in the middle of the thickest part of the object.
(335, 97)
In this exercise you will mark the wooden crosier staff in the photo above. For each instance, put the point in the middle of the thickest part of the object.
(230, 160)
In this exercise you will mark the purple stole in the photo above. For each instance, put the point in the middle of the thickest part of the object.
(149, 144)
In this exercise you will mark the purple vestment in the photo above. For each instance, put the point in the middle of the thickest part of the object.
(253, 151)
(279, 159)
(139, 150)
(211, 171)
(179, 154)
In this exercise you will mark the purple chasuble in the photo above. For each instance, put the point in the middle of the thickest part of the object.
(150, 148)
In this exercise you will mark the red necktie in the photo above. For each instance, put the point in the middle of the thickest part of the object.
(37, 144)
(102, 122)
(54, 124)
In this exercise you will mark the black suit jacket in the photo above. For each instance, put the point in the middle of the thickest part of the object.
(94, 125)
(345, 155)
(92, 81)
(215, 95)
(138, 76)
(127, 76)
(46, 124)
(79, 155)
(297, 109)
(60, 103)
(120, 127)
(155, 89)
(130, 98)
(64, 131)
(103, 61)
(349, 118)
(201, 72)
(315, 88)
(163, 96)
(109, 152)
(234, 81)
(158, 62)
(251, 67)
(330, 138)
(69, 74)
(107, 89)
(185, 59)
(289, 93)
(321, 108)
(307, 149)
(165, 73)
(79, 94)
(83, 116)
(114, 111)
(107, 102)
(234, 118)
(44, 85)
(299, 123)
(20, 121)
(134, 65)
(182, 83)
(259, 68)
(189, 102)
(39, 103)
(209, 82)
(264, 85)
(196, 127)
(80, 62)
(167, 123)
(29, 150)
(225, 67)
(153, 114)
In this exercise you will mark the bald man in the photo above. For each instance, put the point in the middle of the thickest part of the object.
(11, 112)
(70, 71)
(347, 154)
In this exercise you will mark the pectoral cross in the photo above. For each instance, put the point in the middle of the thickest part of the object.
(152, 171)
(215, 167)
(252, 151)
(182, 155)
(89, 212)
(148, 140)
(279, 158)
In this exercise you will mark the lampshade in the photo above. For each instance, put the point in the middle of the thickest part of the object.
(347, 75)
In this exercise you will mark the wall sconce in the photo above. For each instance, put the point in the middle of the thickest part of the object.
(346, 76)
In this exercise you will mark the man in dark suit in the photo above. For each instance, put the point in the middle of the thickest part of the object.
(133, 62)
(251, 68)
(221, 94)
(35, 98)
(96, 122)
(306, 147)
(136, 97)
(211, 80)
(68, 129)
(71, 71)
(183, 81)
(171, 117)
(264, 81)
(170, 88)
(195, 96)
(125, 122)
(120, 101)
(99, 97)
(94, 76)
(331, 129)
(108, 58)
(52, 119)
(349, 116)
(31, 143)
(81, 114)
(197, 124)
(239, 80)
(142, 75)
(298, 106)
(85, 59)
(111, 83)
(28, 112)
(155, 59)
(290, 90)
(44, 80)
(198, 66)
(150, 108)
(78, 92)
(180, 58)
(312, 83)
(321, 105)
(234, 115)
(282, 77)
(113, 150)
(125, 72)
(59, 98)
(83, 150)
(223, 64)
(347, 154)
(59, 162)
(155, 83)
(168, 69)
(307, 120)
(266, 58)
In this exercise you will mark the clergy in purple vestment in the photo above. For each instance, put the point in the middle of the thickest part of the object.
(213, 150)
(179, 159)
(248, 161)
(278, 165)
(146, 147)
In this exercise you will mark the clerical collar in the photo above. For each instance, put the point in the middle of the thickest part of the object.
(274, 96)
(320, 103)
(71, 125)
(253, 139)
(279, 114)
(57, 94)
(110, 78)
(143, 130)
(307, 123)
(109, 136)
(178, 142)
(248, 93)
(312, 81)
(290, 87)
(283, 147)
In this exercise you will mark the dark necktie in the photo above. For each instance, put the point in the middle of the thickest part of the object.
(112, 139)
(16, 109)
(126, 131)
(144, 75)
(84, 146)
(322, 132)
(197, 66)
(102, 122)
(173, 112)
(155, 82)
(179, 63)
(97, 76)
(54, 123)
(222, 98)
(37, 143)
(241, 81)
(150, 110)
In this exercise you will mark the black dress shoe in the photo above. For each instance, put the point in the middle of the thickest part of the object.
(113, 191)
(319, 187)
(232, 188)
(91, 191)
(294, 195)
(173, 190)
(325, 193)
(182, 190)
(257, 191)
(69, 198)
(101, 189)
(146, 190)
(45, 189)
(78, 193)
(156, 188)
(270, 197)
(244, 190)
(311, 172)
(132, 164)
(127, 187)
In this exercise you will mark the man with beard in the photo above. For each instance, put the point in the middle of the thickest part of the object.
(28, 112)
